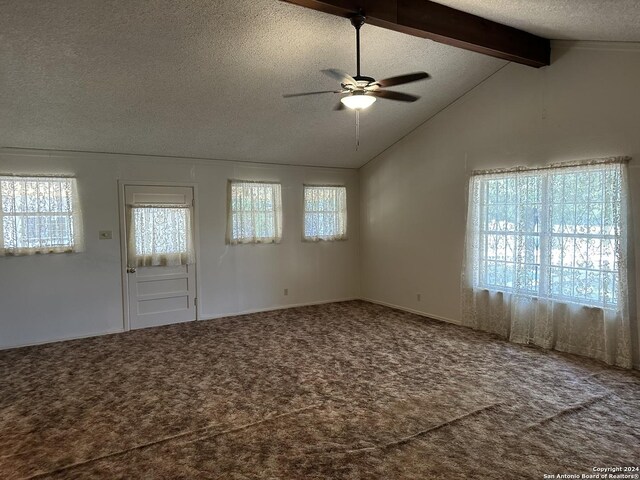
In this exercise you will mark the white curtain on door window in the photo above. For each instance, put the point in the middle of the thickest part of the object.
(325, 213)
(40, 215)
(255, 212)
(546, 258)
(160, 234)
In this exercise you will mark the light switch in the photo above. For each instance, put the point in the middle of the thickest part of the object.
(105, 235)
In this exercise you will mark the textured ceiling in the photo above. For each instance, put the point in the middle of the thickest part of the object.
(606, 20)
(203, 78)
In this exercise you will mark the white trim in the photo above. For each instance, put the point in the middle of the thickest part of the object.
(279, 307)
(636, 366)
(260, 310)
(225, 315)
(594, 45)
(411, 310)
(196, 245)
(62, 339)
(123, 257)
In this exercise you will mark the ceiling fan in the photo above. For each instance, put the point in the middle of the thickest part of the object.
(360, 91)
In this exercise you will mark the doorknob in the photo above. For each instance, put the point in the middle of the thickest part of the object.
(131, 269)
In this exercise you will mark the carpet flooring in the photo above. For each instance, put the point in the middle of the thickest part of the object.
(348, 390)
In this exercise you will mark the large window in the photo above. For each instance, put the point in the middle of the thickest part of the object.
(325, 212)
(255, 212)
(39, 215)
(553, 233)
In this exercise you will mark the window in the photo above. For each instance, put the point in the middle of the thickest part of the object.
(39, 215)
(255, 212)
(553, 233)
(160, 235)
(325, 212)
(509, 232)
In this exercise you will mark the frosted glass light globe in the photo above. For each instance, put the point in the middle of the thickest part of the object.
(358, 101)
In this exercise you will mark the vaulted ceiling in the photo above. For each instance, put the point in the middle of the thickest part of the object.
(202, 78)
(600, 20)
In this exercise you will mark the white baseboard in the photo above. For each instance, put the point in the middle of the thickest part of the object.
(62, 339)
(259, 310)
(233, 314)
(278, 307)
(428, 315)
(411, 310)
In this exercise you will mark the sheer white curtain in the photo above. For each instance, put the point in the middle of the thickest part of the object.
(159, 234)
(546, 257)
(254, 212)
(40, 215)
(325, 212)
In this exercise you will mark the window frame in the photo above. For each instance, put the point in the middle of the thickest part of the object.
(276, 212)
(577, 255)
(484, 233)
(550, 233)
(337, 237)
(74, 216)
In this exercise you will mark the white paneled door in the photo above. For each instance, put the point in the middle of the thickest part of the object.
(160, 259)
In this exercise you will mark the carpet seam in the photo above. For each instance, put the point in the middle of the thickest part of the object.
(568, 411)
(403, 440)
(167, 439)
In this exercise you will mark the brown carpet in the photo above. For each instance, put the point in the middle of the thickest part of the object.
(340, 391)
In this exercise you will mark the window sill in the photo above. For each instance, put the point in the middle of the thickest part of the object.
(319, 239)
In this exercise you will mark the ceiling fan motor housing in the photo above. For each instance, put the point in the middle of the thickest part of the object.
(365, 80)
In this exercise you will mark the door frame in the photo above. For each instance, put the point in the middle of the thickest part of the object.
(126, 323)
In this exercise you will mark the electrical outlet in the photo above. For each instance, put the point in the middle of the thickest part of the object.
(105, 235)
(286, 291)
(418, 296)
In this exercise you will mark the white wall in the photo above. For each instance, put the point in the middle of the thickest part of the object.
(53, 297)
(412, 199)
(414, 195)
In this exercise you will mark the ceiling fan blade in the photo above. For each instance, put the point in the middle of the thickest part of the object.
(391, 95)
(402, 79)
(339, 106)
(340, 76)
(289, 95)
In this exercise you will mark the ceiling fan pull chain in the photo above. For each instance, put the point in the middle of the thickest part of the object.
(357, 129)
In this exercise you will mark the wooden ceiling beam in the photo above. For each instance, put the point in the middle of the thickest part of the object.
(427, 19)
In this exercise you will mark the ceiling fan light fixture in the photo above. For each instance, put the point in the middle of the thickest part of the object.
(358, 101)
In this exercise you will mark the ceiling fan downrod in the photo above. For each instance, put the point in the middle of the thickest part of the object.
(357, 21)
